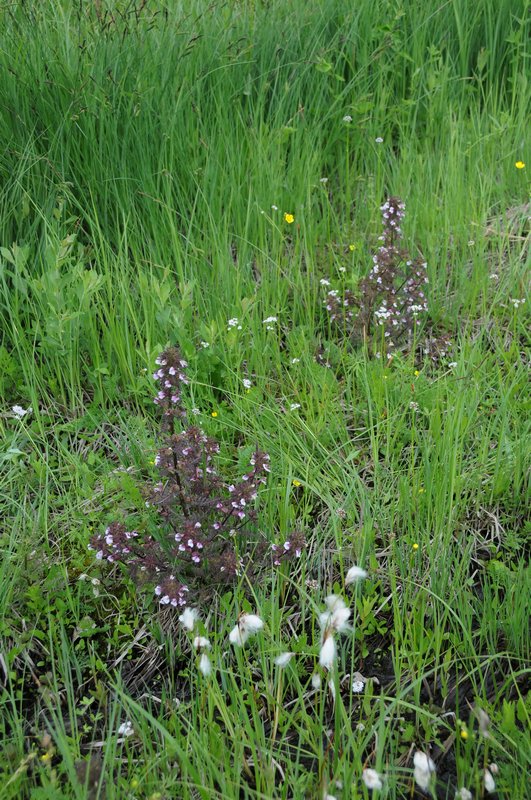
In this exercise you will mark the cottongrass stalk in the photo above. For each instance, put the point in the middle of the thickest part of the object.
(333, 620)
(372, 779)
(488, 781)
(424, 769)
(354, 575)
(188, 618)
(283, 660)
(248, 625)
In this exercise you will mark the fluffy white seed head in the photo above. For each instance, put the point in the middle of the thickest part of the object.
(188, 618)
(316, 681)
(424, 769)
(354, 574)
(251, 622)
(238, 637)
(247, 625)
(283, 659)
(336, 618)
(126, 729)
(201, 642)
(488, 781)
(372, 779)
(205, 667)
(327, 656)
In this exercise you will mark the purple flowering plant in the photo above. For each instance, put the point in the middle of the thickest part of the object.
(390, 299)
(201, 518)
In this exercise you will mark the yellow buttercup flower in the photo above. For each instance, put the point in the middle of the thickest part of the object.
(296, 483)
(214, 413)
(417, 373)
(289, 218)
(352, 247)
(519, 165)
(464, 734)
(415, 546)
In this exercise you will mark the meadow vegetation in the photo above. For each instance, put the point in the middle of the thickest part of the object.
(202, 186)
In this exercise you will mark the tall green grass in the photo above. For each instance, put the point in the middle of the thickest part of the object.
(143, 147)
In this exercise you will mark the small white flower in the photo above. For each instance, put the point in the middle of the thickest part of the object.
(372, 779)
(354, 574)
(232, 323)
(358, 686)
(489, 781)
(188, 618)
(414, 406)
(20, 412)
(205, 344)
(347, 118)
(463, 794)
(378, 140)
(452, 364)
(275, 208)
(324, 282)
(247, 383)
(316, 681)
(247, 625)
(516, 303)
(494, 769)
(294, 406)
(126, 729)
(295, 360)
(268, 320)
(494, 277)
(471, 243)
(205, 667)
(323, 180)
(424, 769)
(327, 656)
(329, 797)
(283, 659)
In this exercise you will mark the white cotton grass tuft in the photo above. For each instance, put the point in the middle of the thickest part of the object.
(316, 681)
(205, 666)
(336, 618)
(372, 779)
(355, 574)
(488, 781)
(188, 618)
(201, 642)
(247, 625)
(283, 659)
(424, 769)
(126, 729)
(327, 655)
